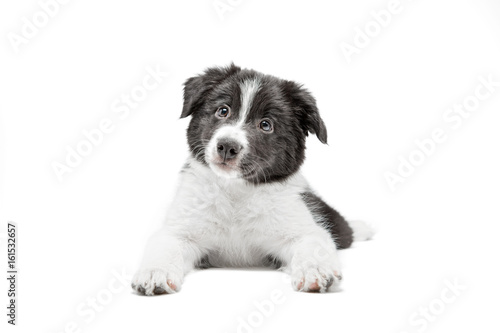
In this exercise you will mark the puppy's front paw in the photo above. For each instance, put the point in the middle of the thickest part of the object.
(315, 279)
(156, 281)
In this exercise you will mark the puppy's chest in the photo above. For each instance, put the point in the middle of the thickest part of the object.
(236, 207)
(229, 207)
(236, 223)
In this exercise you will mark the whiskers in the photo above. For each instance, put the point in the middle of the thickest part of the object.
(254, 169)
(198, 151)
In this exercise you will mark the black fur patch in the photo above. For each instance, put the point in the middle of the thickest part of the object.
(204, 263)
(272, 261)
(271, 156)
(330, 219)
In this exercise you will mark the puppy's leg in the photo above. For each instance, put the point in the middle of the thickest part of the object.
(312, 262)
(166, 260)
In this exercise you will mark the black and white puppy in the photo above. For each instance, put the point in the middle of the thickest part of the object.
(242, 200)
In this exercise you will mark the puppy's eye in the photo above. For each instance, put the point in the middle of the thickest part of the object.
(266, 126)
(223, 111)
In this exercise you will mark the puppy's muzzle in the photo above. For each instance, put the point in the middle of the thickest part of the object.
(228, 149)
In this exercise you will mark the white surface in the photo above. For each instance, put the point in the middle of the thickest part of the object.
(442, 223)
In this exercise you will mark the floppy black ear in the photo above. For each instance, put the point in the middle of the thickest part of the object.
(197, 88)
(307, 111)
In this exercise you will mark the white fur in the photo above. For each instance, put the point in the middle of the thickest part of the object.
(238, 224)
(249, 89)
(361, 230)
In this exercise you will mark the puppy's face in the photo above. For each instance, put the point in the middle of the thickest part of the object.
(249, 125)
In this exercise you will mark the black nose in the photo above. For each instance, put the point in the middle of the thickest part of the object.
(228, 149)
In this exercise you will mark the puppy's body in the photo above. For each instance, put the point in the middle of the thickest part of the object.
(241, 200)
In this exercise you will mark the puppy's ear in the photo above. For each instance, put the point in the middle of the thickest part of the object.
(306, 110)
(198, 87)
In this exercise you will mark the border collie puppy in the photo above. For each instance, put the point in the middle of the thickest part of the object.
(242, 201)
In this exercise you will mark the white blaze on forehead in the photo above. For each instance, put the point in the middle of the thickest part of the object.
(249, 89)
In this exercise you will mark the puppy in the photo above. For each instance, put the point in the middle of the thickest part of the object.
(242, 200)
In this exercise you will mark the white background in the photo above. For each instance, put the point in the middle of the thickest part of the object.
(440, 225)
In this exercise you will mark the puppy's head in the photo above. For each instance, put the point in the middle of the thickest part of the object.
(249, 125)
